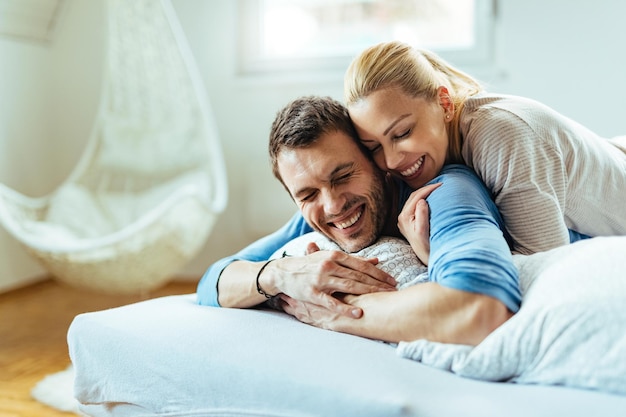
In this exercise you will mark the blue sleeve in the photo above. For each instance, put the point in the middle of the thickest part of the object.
(575, 236)
(468, 243)
(260, 250)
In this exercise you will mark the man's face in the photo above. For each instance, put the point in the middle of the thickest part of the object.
(337, 189)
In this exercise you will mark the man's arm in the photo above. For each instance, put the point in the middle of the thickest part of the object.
(232, 281)
(257, 252)
(424, 311)
(312, 278)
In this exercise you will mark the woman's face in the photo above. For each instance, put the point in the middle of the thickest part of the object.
(407, 136)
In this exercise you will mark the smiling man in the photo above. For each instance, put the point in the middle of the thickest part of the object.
(340, 193)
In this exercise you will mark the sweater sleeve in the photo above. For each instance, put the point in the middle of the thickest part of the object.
(524, 168)
(260, 250)
(469, 250)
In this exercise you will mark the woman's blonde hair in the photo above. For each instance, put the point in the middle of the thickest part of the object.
(418, 73)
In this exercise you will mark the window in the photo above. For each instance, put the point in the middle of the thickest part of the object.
(300, 35)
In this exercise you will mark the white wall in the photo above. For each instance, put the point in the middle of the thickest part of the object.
(569, 55)
(23, 122)
(48, 98)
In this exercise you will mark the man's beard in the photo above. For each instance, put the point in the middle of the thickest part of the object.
(378, 207)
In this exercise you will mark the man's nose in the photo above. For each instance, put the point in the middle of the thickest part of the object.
(333, 201)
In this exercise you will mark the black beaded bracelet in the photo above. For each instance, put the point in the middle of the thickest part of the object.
(258, 286)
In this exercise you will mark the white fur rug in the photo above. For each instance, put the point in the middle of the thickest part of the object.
(57, 391)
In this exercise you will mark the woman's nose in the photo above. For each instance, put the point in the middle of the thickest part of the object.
(393, 158)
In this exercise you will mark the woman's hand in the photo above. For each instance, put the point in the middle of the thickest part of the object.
(414, 224)
(310, 313)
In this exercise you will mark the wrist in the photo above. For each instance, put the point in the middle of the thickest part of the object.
(263, 281)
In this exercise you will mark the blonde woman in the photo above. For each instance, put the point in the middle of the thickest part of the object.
(553, 180)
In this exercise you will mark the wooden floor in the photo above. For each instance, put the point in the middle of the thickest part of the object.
(33, 326)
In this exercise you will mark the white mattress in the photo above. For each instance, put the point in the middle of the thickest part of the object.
(171, 357)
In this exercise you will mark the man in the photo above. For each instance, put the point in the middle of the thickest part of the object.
(340, 193)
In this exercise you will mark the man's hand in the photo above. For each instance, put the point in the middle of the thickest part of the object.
(414, 224)
(314, 279)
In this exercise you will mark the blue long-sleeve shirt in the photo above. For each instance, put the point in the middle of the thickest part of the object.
(468, 248)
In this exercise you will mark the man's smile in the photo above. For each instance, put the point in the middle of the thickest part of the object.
(350, 220)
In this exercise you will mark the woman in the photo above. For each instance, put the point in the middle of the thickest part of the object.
(553, 180)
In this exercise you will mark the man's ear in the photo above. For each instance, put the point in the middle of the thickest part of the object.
(445, 101)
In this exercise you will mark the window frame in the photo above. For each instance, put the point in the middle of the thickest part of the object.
(250, 62)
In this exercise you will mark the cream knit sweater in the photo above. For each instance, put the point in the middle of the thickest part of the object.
(547, 173)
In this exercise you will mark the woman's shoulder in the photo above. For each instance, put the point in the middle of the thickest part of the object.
(499, 129)
(489, 119)
(498, 111)
(495, 101)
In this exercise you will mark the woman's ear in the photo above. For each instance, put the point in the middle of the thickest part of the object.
(446, 102)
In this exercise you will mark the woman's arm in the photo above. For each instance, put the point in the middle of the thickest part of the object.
(469, 246)
(424, 311)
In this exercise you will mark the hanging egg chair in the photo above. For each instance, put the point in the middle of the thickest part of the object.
(146, 192)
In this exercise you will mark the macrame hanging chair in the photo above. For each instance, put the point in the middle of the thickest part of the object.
(151, 182)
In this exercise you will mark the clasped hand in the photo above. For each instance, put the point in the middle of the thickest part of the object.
(315, 279)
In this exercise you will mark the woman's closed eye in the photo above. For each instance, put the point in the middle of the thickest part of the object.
(374, 148)
(402, 135)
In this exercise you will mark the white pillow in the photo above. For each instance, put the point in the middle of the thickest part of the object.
(570, 329)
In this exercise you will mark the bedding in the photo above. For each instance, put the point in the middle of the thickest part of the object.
(169, 356)
(570, 330)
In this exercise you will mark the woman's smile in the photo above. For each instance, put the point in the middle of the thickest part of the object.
(415, 168)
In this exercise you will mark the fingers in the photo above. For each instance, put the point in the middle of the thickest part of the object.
(312, 248)
(414, 224)
(337, 306)
(362, 271)
(420, 194)
(420, 241)
(424, 192)
(350, 286)
(422, 225)
(303, 311)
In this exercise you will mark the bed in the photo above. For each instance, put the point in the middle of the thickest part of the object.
(563, 353)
